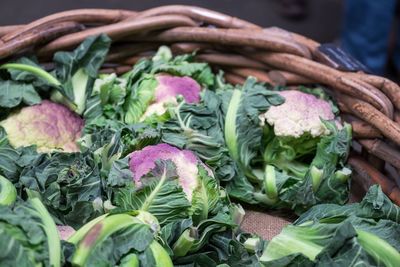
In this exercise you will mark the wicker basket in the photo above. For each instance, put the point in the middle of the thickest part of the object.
(370, 103)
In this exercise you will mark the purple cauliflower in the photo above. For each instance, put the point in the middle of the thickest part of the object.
(168, 88)
(171, 86)
(196, 180)
(48, 125)
(143, 161)
(155, 93)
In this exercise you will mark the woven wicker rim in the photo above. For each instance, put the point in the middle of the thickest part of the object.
(370, 103)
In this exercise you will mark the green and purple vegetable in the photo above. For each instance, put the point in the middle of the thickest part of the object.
(48, 126)
(140, 169)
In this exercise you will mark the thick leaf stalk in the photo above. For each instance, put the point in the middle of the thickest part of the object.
(49, 227)
(8, 193)
(98, 233)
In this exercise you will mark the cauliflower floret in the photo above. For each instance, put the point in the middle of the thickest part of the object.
(300, 113)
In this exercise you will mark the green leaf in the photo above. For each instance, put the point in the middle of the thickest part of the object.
(205, 197)
(135, 238)
(331, 152)
(12, 161)
(67, 183)
(30, 236)
(14, 93)
(198, 127)
(182, 65)
(77, 71)
(243, 133)
(161, 195)
(142, 94)
(107, 98)
(8, 193)
(334, 235)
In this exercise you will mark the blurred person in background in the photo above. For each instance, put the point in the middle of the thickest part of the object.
(367, 29)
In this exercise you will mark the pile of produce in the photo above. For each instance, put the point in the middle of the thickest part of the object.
(149, 168)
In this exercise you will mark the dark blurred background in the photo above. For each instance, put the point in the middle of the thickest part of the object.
(322, 23)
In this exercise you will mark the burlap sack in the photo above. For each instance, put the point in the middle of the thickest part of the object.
(263, 224)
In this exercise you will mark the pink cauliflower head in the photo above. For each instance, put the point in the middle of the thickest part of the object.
(172, 86)
(186, 162)
(65, 231)
(300, 113)
(48, 125)
(168, 88)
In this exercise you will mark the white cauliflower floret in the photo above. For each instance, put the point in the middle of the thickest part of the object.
(300, 113)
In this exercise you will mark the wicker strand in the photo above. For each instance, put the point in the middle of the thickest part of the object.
(99, 16)
(323, 74)
(117, 31)
(199, 14)
(370, 175)
(234, 37)
(49, 32)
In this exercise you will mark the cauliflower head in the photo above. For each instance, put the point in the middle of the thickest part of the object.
(184, 171)
(186, 162)
(168, 89)
(48, 125)
(301, 113)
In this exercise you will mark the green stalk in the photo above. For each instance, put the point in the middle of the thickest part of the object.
(34, 70)
(230, 133)
(237, 213)
(49, 227)
(149, 219)
(79, 84)
(160, 255)
(8, 193)
(131, 260)
(263, 198)
(78, 235)
(149, 200)
(343, 175)
(58, 97)
(252, 244)
(379, 249)
(270, 182)
(98, 233)
(230, 124)
(292, 239)
(316, 177)
(349, 129)
(183, 245)
(200, 202)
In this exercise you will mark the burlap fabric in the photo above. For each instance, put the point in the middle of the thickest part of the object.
(264, 224)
